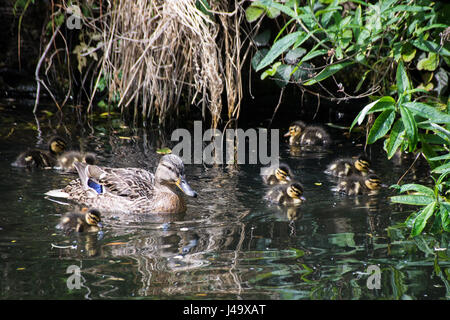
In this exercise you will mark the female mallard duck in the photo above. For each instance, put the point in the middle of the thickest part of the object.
(36, 158)
(348, 166)
(356, 184)
(290, 194)
(302, 135)
(67, 159)
(81, 221)
(279, 174)
(130, 190)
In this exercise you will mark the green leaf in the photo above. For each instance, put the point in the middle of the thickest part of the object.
(163, 151)
(443, 157)
(429, 46)
(259, 55)
(408, 52)
(262, 38)
(430, 63)
(253, 13)
(327, 72)
(395, 138)
(283, 75)
(293, 55)
(421, 220)
(313, 53)
(426, 191)
(278, 48)
(445, 218)
(428, 112)
(381, 126)
(407, 8)
(410, 127)
(382, 104)
(403, 83)
(442, 169)
(271, 72)
(412, 199)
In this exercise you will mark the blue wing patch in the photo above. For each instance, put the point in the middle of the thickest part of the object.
(97, 187)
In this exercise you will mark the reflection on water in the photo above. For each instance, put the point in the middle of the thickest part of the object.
(229, 244)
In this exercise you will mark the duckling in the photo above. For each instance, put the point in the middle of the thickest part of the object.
(356, 184)
(35, 158)
(287, 195)
(348, 166)
(81, 221)
(280, 174)
(66, 160)
(301, 134)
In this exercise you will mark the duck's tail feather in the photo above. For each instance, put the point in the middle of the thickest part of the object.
(82, 173)
(57, 193)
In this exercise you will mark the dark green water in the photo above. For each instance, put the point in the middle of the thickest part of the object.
(230, 244)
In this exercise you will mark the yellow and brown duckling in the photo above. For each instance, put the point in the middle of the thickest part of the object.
(302, 135)
(349, 166)
(357, 184)
(290, 194)
(86, 220)
(67, 159)
(35, 158)
(279, 174)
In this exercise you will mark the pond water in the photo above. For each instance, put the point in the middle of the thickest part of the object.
(230, 244)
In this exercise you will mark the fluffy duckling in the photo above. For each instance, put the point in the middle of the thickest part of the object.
(356, 184)
(81, 221)
(290, 194)
(66, 160)
(35, 158)
(349, 166)
(302, 135)
(280, 174)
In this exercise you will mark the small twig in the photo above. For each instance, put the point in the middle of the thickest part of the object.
(412, 165)
(36, 73)
(276, 108)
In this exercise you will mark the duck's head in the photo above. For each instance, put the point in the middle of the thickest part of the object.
(295, 192)
(283, 173)
(372, 182)
(170, 171)
(362, 164)
(295, 129)
(92, 217)
(90, 158)
(56, 145)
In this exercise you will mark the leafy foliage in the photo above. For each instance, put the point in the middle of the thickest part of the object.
(400, 51)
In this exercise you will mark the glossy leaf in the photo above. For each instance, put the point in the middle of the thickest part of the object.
(428, 112)
(395, 138)
(253, 13)
(412, 199)
(402, 79)
(421, 220)
(382, 104)
(278, 48)
(410, 127)
(381, 126)
(327, 72)
(417, 188)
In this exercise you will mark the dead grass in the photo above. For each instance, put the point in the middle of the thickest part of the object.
(157, 55)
